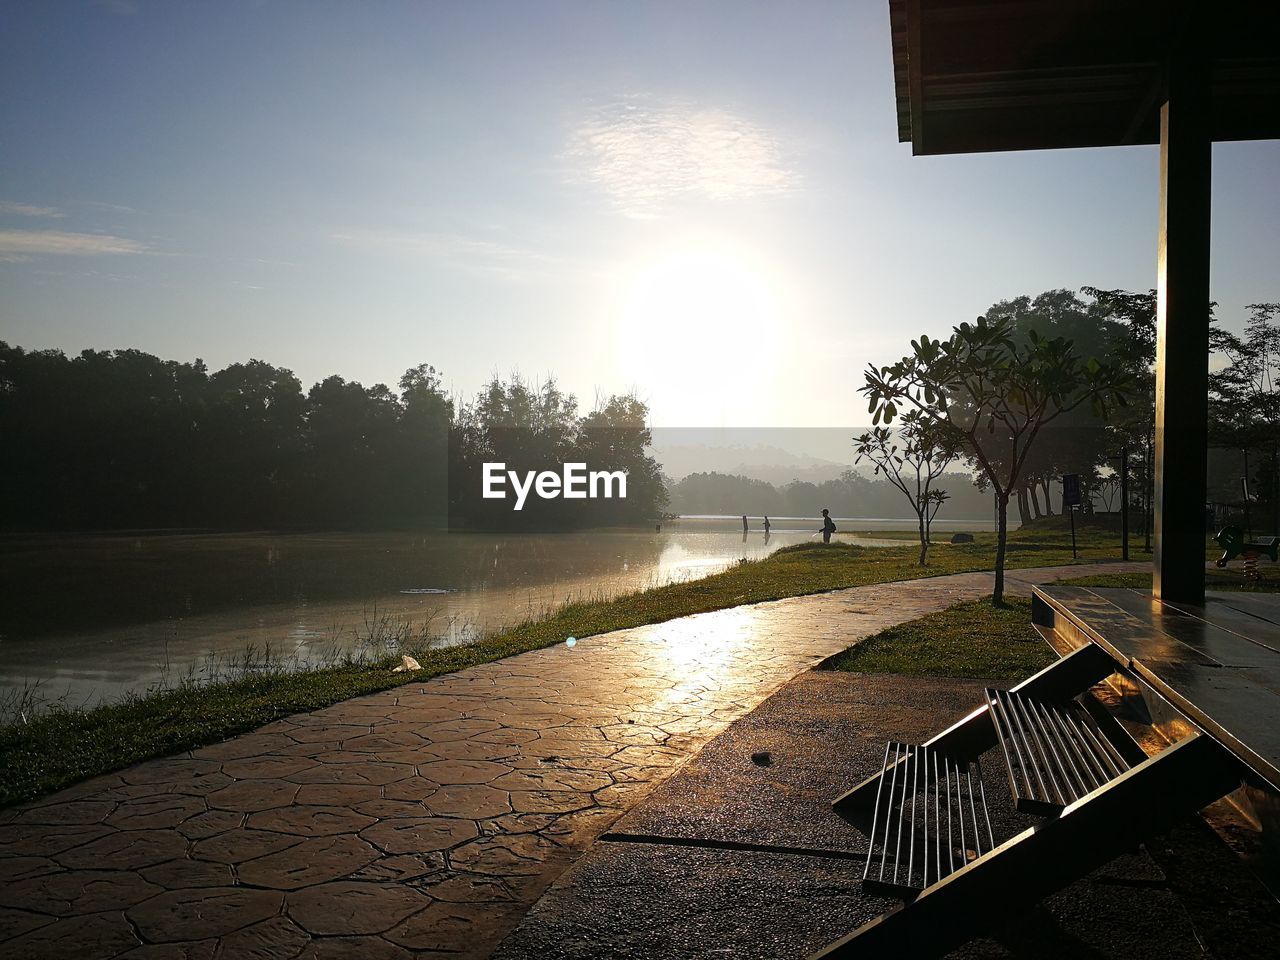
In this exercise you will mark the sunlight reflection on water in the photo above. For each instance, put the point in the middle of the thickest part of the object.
(154, 609)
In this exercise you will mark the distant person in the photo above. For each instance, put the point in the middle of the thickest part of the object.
(744, 523)
(767, 525)
(828, 525)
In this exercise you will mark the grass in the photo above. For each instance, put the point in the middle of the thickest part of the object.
(973, 639)
(1229, 579)
(45, 750)
(977, 639)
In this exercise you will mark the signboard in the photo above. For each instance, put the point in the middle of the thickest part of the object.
(1071, 489)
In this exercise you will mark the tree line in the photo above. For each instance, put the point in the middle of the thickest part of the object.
(1036, 388)
(121, 438)
(1120, 326)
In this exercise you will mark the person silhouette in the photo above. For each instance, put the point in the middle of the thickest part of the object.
(828, 525)
(744, 523)
(767, 525)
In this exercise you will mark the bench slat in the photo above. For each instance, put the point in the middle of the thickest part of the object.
(929, 820)
(1054, 752)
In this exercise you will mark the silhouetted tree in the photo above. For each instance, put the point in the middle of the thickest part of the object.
(1244, 397)
(911, 458)
(423, 469)
(121, 438)
(996, 393)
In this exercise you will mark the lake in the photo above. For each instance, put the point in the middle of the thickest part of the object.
(93, 616)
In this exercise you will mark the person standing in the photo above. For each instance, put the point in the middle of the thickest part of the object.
(828, 525)
(767, 525)
(744, 523)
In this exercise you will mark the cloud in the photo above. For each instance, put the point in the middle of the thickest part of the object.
(112, 207)
(27, 210)
(22, 244)
(464, 253)
(645, 155)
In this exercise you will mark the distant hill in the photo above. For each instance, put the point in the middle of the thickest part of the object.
(758, 461)
(849, 495)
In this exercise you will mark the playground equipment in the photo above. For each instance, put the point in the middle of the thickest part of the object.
(1233, 543)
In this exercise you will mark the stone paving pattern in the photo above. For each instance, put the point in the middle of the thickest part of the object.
(424, 819)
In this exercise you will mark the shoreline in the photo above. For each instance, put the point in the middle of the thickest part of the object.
(54, 749)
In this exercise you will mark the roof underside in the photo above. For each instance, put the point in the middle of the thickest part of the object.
(1041, 74)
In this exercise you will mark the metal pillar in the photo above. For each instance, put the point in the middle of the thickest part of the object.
(1182, 318)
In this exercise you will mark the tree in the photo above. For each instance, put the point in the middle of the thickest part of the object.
(997, 393)
(1076, 442)
(424, 444)
(1245, 395)
(1132, 346)
(617, 433)
(251, 430)
(537, 427)
(350, 436)
(911, 459)
(523, 425)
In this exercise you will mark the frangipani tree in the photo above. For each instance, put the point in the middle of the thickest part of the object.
(995, 393)
(912, 458)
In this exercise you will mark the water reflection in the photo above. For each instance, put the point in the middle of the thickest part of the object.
(98, 615)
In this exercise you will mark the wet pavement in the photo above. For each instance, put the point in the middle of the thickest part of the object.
(428, 818)
(731, 858)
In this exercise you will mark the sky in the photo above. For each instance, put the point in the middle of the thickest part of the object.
(701, 202)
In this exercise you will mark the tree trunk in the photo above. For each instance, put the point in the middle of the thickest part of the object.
(924, 539)
(1024, 514)
(1035, 500)
(1048, 500)
(1002, 530)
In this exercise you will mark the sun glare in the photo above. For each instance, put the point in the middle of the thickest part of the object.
(694, 318)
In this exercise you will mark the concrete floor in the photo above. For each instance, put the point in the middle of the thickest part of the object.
(825, 731)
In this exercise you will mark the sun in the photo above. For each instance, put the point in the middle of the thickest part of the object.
(694, 318)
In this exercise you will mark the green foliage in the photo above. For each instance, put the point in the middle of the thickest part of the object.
(996, 392)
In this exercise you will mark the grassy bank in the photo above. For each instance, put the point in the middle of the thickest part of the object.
(977, 639)
(974, 639)
(61, 745)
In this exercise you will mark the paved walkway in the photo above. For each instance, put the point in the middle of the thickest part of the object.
(427, 818)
